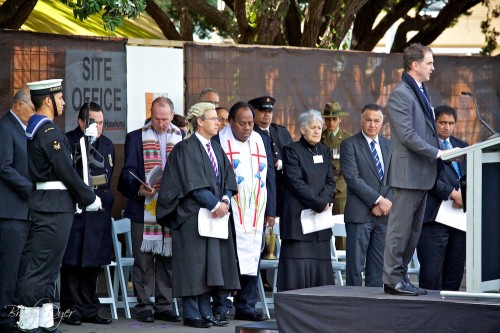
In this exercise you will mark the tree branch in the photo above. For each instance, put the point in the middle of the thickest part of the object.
(160, 17)
(13, 13)
(430, 28)
(221, 20)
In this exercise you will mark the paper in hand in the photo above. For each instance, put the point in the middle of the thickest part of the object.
(154, 176)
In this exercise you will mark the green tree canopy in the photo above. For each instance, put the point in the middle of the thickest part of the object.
(335, 24)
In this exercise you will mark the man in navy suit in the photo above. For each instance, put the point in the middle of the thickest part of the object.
(364, 162)
(15, 186)
(441, 248)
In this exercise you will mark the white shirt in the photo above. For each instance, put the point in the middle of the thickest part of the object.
(377, 148)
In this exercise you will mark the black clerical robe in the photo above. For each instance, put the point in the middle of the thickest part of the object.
(199, 264)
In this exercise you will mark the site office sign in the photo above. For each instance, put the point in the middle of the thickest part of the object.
(98, 77)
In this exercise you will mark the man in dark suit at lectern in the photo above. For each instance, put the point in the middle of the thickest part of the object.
(441, 248)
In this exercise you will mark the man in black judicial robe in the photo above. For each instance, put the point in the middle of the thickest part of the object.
(200, 265)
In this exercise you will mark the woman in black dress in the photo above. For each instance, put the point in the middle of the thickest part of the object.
(305, 260)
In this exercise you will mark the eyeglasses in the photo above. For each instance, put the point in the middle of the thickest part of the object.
(223, 120)
(213, 119)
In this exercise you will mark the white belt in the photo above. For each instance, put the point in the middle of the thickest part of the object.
(55, 185)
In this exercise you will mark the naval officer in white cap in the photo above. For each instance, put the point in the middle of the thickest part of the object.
(57, 190)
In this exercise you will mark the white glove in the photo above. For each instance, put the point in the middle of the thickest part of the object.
(91, 132)
(78, 210)
(95, 206)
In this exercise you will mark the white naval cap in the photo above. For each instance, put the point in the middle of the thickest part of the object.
(45, 87)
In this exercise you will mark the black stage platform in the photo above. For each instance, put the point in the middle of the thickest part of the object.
(359, 309)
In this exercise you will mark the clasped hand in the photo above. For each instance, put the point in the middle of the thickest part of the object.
(382, 208)
(221, 211)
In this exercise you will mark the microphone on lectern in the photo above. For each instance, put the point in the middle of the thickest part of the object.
(494, 134)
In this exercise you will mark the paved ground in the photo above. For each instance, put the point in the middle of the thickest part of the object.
(123, 325)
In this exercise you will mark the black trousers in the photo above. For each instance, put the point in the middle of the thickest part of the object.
(78, 291)
(13, 237)
(44, 251)
(441, 253)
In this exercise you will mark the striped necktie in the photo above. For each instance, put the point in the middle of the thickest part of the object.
(447, 146)
(212, 158)
(377, 160)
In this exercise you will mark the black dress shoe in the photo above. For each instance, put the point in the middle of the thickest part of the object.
(216, 320)
(146, 316)
(250, 316)
(97, 319)
(401, 288)
(72, 320)
(420, 291)
(168, 315)
(196, 323)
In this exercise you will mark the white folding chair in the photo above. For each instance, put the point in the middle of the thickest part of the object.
(269, 264)
(123, 271)
(338, 230)
(124, 265)
(110, 299)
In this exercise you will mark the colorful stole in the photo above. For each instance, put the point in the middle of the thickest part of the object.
(249, 161)
(156, 239)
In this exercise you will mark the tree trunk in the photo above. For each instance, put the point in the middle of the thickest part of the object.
(341, 20)
(270, 20)
(186, 22)
(246, 32)
(362, 33)
(292, 25)
(312, 23)
(13, 13)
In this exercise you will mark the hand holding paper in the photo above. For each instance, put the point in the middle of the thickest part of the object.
(212, 227)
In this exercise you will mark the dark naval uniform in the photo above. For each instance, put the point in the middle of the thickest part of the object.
(57, 189)
(279, 137)
(89, 246)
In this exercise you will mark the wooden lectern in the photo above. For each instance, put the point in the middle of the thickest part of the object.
(483, 219)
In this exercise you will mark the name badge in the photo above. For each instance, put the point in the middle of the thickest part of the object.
(318, 159)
